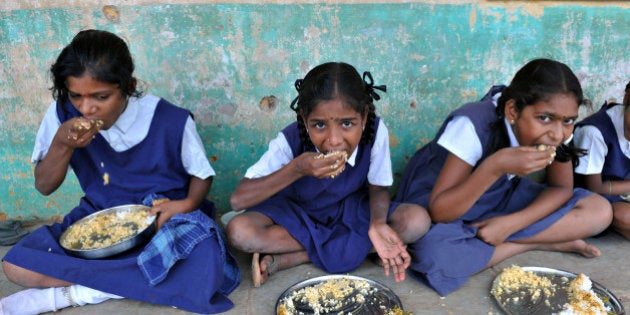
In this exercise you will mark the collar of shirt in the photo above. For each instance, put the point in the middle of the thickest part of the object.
(513, 141)
(508, 127)
(128, 129)
(128, 116)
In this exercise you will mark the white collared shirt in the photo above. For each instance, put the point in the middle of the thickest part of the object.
(130, 129)
(591, 139)
(460, 138)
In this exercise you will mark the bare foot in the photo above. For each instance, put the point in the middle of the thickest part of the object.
(268, 266)
(577, 246)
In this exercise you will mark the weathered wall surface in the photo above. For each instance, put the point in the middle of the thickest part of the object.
(220, 60)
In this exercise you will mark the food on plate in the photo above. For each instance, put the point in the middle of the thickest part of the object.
(105, 229)
(582, 298)
(539, 290)
(515, 279)
(338, 295)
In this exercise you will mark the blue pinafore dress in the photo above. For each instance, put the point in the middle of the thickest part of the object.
(152, 167)
(616, 164)
(329, 217)
(450, 253)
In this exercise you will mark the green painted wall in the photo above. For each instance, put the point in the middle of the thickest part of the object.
(221, 60)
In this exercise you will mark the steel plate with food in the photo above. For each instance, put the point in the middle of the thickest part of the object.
(540, 290)
(339, 294)
(109, 232)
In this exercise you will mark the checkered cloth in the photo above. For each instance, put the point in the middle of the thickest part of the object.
(176, 239)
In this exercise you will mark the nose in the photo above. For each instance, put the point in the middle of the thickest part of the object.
(335, 138)
(85, 106)
(557, 134)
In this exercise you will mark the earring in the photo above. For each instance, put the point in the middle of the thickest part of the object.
(512, 122)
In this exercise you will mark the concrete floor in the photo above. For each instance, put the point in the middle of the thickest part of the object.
(612, 270)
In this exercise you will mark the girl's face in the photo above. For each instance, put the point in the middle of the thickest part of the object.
(96, 99)
(333, 126)
(547, 122)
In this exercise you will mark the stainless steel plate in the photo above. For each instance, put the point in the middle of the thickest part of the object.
(140, 238)
(379, 299)
(520, 303)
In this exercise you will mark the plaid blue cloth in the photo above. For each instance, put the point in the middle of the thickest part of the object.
(176, 239)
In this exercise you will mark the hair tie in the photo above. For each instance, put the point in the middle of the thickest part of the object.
(298, 87)
(370, 87)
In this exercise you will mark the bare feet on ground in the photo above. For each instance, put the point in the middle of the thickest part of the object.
(267, 267)
(577, 246)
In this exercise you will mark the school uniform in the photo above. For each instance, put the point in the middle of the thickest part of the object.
(152, 150)
(602, 134)
(330, 217)
(449, 253)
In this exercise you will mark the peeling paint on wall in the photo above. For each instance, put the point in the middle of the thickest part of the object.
(233, 65)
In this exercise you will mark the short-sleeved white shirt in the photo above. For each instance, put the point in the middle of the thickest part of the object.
(460, 138)
(591, 139)
(279, 154)
(132, 127)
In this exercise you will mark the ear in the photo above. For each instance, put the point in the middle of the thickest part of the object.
(511, 112)
(304, 121)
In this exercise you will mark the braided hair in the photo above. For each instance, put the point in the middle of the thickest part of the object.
(336, 80)
(538, 80)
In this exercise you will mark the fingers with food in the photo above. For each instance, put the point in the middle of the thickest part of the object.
(340, 158)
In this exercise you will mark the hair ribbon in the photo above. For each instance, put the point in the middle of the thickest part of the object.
(298, 87)
(370, 87)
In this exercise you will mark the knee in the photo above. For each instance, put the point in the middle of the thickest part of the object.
(411, 223)
(621, 215)
(602, 210)
(14, 274)
(239, 233)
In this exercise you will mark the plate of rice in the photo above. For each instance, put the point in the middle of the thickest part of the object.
(339, 294)
(109, 232)
(540, 290)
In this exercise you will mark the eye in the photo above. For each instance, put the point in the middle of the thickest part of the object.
(318, 125)
(73, 95)
(544, 118)
(569, 121)
(102, 97)
(347, 123)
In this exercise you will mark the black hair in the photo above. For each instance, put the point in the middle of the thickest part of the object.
(102, 55)
(336, 80)
(537, 81)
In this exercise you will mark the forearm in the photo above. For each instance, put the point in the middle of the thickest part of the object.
(379, 204)
(51, 171)
(454, 202)
(550, 200)
(197, 192)
(252, 191)
(610, 187)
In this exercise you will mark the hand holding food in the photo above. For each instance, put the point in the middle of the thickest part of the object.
(80, 131)
(338, 157)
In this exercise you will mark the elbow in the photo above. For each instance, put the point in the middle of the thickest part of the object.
(236, 203)
(43, 189)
